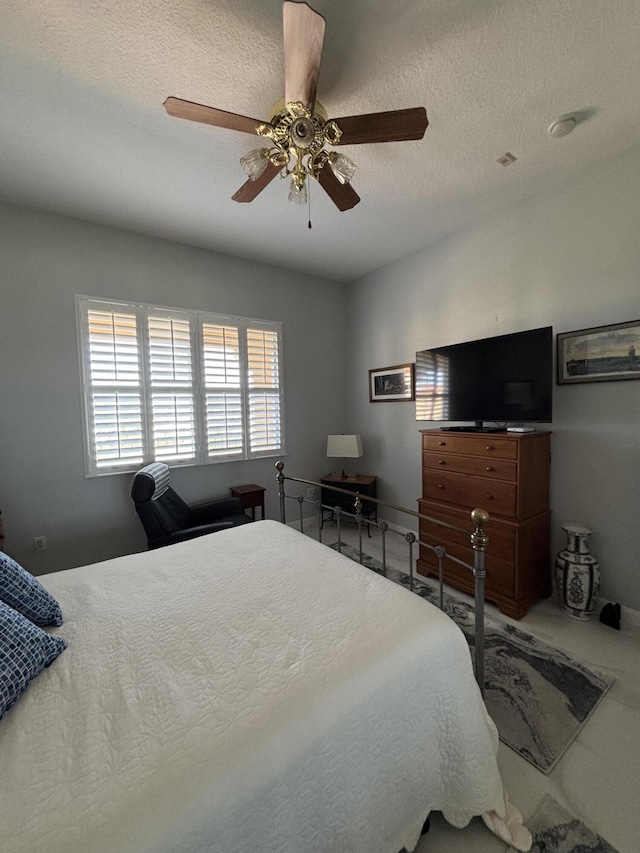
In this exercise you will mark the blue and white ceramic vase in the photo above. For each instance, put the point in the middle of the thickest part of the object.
(577, 574)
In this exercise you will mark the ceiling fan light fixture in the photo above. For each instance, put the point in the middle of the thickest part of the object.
(297, 191)
(299, 128)
(255, 162)
(342, 167)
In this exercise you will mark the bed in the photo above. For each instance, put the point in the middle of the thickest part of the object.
(247, 690)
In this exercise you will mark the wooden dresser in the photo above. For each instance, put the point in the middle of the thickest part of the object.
(508, 475)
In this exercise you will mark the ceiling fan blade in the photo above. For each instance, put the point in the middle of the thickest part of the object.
(392, 126)
(303, 38)
(250, 189)
(210, 115)
(342, 195)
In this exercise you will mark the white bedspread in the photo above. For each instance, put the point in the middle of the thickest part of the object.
(247, 691)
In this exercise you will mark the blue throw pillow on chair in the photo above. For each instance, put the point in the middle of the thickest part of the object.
(21, 591)
(25, 650)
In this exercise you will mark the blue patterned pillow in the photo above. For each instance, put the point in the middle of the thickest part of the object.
(24, 593)
(25, 650)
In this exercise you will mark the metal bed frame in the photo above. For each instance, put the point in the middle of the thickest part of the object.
(479, 541)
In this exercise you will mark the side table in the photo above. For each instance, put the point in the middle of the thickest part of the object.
(364, 484)
(251, 496)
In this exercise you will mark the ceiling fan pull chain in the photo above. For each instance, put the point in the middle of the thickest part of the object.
(309, 202)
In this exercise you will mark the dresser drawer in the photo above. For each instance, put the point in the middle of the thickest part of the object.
(472, 445)
(499, 469)
(493, 495)
(502, 537)
(500, 574)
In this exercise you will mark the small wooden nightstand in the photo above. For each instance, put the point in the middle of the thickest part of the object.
(364, 484)
(251, 496)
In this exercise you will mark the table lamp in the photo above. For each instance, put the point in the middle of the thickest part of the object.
(344, 446)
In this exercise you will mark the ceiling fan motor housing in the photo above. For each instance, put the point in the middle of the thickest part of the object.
(296, 131)
(302, 132)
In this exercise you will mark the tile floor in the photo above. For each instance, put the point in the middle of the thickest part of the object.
(598, 778)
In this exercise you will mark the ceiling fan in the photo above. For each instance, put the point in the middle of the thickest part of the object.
(299, 128)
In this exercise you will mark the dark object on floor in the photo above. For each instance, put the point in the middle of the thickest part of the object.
(166, 518)
(426, 826)
(610, 615)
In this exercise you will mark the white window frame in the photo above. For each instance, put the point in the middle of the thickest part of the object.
(196, 321)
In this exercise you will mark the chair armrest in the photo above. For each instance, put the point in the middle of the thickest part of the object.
(210, 511)
(189, 533)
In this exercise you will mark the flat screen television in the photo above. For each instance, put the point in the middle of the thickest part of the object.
(491, 382)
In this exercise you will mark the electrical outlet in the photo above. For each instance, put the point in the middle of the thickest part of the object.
(312, 492)
(40, 543)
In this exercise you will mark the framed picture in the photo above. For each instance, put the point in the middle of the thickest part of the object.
(391, 384)
(600, 354)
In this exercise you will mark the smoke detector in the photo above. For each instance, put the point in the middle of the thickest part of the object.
(562, 126)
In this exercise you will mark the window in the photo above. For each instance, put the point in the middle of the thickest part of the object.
(177, 386)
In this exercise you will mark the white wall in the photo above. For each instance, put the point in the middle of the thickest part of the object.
(570, 259)
(47, 259)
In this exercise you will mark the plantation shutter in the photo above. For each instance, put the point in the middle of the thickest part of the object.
(173, 416)
(115, 404)
(263, 380)
(170, 385)
(223, 392)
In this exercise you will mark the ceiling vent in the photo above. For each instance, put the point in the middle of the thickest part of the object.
(507, 159)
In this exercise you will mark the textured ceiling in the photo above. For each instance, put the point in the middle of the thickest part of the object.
(83, 131)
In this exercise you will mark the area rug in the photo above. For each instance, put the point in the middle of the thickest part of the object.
(555, 830)
(538, 696)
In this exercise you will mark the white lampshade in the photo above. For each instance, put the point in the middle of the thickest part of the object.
(344, 445)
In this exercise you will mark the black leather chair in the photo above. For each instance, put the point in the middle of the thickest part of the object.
(166, 518)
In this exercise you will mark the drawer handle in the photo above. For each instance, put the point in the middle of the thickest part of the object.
(489, 468)
(489, 497)
(441, 462)
(441, 443)
(490, 447)
(440, 486)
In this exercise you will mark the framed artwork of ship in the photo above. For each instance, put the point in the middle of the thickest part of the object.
(600, 354)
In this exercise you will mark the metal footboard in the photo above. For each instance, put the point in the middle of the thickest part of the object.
(479, 541)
